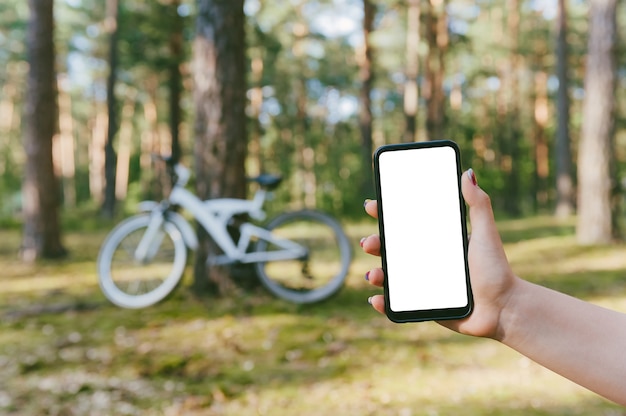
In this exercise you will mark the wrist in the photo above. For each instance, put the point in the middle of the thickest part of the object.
(512, 315)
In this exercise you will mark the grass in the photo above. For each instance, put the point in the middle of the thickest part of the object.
(64, 350)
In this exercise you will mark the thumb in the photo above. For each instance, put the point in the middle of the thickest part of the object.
(480, 211)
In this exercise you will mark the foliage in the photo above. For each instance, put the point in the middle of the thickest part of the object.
(65, 350)
(307, 124)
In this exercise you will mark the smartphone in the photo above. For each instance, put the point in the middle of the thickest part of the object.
(423, 232)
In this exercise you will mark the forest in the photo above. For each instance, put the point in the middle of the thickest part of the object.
(326, 82)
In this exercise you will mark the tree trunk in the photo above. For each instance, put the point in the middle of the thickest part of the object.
(153, 180)
(175, 79)
(110, 157)
(303, 186)
(437, 37)
(366, 76)
(411, 90)
(122, 170)
(96, 153)
(564, 186)
(6, 109)
(64, 148)
(220, 128)
(512, 128)
(542, 165)
(255, 158)
(595, 181)
(42, 229)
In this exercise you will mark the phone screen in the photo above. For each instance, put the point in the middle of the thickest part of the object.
(423, 233)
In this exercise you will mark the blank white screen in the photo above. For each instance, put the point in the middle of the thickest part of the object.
(422, 229)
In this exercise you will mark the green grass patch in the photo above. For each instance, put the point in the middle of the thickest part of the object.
(65, 350)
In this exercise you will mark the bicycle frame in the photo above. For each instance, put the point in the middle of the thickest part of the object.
(214, 216)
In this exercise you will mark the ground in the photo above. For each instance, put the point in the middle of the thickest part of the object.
(64, 350)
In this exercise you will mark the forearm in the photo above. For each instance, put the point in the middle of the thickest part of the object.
(581, 341)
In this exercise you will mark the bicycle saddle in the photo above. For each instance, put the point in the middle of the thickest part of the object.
(267, 180)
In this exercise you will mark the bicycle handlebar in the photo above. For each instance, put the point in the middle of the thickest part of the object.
(180, 174)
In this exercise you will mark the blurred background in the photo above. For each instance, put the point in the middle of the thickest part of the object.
(533, 91)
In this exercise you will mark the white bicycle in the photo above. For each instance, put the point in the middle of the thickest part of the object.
(300, 256)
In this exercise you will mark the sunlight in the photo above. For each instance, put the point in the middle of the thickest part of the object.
(43, 282)
(563, 255)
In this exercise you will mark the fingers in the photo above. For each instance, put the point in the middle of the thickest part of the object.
(480, 212)
(371, 245)
(371, 207)
(378, 303)
(375, 277)
(485, 236)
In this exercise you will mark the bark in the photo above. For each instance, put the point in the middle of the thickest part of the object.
(96, 154)
(595, 180)
(175, 79)
(65, 148)
(110, 157)
(366, 76)
(564, 185)
(512, 128)
(411, 89)
(220, 128)
(42, 229)
(256, 103)
(437, 38)
(304, 184)
(7, 107)
(154, 180)
(125, 147)
(542, 165)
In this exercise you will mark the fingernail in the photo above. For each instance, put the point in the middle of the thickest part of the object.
(367, 276)
(369, 300)
(366, 202)
(362, 241)
(472, 176)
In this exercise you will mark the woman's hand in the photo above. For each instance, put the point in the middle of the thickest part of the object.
(579, 340)
(490, 274)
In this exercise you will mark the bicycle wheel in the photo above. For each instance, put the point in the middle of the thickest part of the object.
(318, 275)
(132, 283)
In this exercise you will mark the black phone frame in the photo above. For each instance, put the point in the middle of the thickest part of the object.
(423, 314)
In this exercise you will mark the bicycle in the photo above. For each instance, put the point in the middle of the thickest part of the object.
(301, 256)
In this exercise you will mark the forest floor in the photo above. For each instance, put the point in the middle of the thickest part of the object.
(64, 350)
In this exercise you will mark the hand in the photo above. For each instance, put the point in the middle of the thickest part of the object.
(491, 277)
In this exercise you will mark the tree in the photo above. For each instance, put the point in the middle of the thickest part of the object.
(438, 42)
(411, 91)
(175, 77)
(110, 157)
(42, 229)
(563, 154)
(595, 181)
(366, 75)
(219, 73)
(512, 130)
